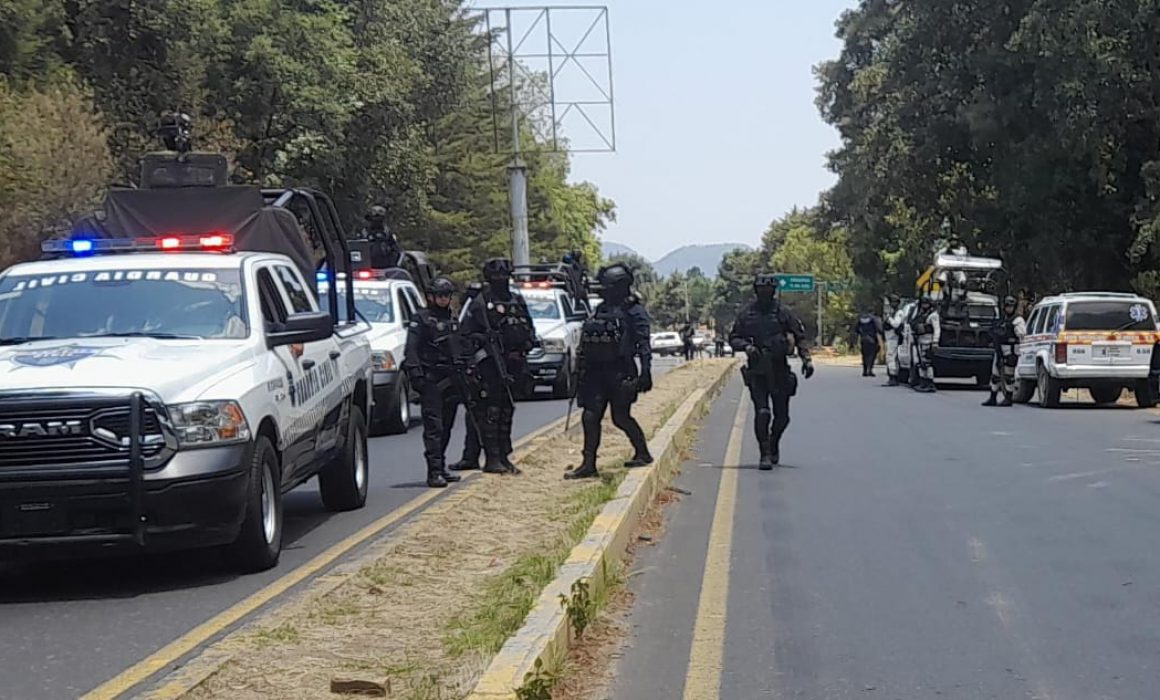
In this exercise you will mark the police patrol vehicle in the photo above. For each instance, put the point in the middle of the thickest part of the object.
(163, 390)
(1100, 341)
(557, 300)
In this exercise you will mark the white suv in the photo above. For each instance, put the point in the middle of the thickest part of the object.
(1099, 341)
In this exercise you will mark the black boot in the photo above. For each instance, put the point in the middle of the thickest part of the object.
(991, 400)
(586, 470)
(435, 479)
(766, 458)
(492, 465)
(640, 459)
(449, 477)
(1007, 400)
(464, 465)
(892, 381)
(509, 465)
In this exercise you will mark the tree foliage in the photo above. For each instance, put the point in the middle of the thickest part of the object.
(371, 101)
(1033, 126)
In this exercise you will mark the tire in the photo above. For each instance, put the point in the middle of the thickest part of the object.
(1048, 388)
(1104, 395)
(398, 419)
(563, 389)
(1024, 390)
(343, 482)
(1145, 394)
(259, 542)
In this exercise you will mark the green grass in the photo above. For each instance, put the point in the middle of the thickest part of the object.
(505, 601)
(283, 634)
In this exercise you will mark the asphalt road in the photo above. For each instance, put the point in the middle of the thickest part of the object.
(68, 627)
(911, 547)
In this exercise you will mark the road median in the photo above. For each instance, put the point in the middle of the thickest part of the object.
(423, 612)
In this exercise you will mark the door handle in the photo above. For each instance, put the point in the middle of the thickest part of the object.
(308, 364)
(335, 354)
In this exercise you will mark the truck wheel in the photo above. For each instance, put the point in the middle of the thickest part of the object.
(1105, 394)
(563, 387)
(259, 542)
(1145, 394)
(398, 418)
(1024, 390)
(343, 482)
(1049, 389)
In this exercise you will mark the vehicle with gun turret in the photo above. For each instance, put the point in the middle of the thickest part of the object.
(964, 289)
(167, 372)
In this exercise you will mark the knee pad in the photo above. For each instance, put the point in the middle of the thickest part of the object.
(492, 414)
(764, 413)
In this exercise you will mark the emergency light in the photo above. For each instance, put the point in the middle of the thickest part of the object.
(211, 242)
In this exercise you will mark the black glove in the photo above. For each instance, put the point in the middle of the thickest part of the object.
(644, 384)
(807, 368)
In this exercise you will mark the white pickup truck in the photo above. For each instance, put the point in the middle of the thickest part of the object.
(387, 304)
(162, 390)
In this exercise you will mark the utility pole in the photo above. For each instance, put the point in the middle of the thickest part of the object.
(517, 170)
(686, 300)
(818, 340)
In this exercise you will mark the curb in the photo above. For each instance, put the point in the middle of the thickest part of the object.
(545, 637)
(186, 677)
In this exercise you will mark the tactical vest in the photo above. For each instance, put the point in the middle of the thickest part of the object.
(605, 338)
(919, 325)
(510, 319)
(1005, 333)
(442, 344)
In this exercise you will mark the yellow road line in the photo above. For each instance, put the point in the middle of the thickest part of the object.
(703, 678)
(191, 640)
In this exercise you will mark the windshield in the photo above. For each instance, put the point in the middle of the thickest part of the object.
(543, 308)
(1125, 315)
(376, 305)
(984, 311)
(184, 303)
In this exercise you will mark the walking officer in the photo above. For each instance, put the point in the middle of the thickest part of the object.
(894, 321)
(1008, 332)
(433, 353)
(765, 331)
(498, 324)
(610, 344)
(925, 332)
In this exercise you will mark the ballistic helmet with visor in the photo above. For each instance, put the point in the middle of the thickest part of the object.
(497, 268)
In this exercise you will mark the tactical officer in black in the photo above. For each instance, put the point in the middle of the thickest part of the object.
(434, 355)
(498, 324)
(767, 332)
(385, 249)
(610, 342)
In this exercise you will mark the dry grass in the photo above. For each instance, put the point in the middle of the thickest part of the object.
(445, 592)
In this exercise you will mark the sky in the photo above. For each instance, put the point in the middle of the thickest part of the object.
(717, 133)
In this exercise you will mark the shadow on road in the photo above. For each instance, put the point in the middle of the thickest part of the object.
(131, 575)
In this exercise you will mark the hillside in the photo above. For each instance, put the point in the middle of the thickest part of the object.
(706, 257)
(613, 248)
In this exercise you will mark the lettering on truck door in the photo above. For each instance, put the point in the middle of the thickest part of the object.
(320, 392)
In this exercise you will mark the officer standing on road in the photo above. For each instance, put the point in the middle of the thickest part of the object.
(687, 340)
(866, 332)
(765, 331)
(925, 331)
(893, 321)
(432, 351)
(385, 249)
(610, 343)
(1008, 332)
(498, 323)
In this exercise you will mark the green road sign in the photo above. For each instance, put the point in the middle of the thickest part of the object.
(838, 286)
(795, 283)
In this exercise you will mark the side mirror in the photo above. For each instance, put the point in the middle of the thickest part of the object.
(300, 328)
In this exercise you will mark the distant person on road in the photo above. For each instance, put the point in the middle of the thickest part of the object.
(386, 252)
(866, 332)
(925, 331)
(687, 339)
(610, 343)
(719, 345)
(1008, 332)
(767, 333)
(893, 320)
(433, 353)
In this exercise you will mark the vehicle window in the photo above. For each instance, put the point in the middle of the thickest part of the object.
(173, 303)
(544, 308)
(273, 307)
(1037, 322)
(413, 295)
(404, 306)
(1109, 315)
(375, 305)
(300, 299)
(1051, 325)
(983, 312)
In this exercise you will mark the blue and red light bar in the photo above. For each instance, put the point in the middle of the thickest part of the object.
(179, 243)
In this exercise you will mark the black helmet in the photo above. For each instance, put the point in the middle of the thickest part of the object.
(497, 268)
(1009, 301)
(442, 287)
(377, 213)
(765, 279)
(615, 275)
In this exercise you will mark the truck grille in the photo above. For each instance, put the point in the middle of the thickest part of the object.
(63, 431)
